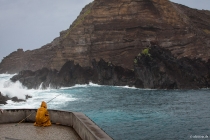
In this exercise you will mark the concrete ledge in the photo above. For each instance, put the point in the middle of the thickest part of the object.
(84, 127)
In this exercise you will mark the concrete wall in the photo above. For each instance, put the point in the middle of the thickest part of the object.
(85, 128)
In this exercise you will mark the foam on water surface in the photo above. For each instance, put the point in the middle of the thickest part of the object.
(126, 112)
(16, 89)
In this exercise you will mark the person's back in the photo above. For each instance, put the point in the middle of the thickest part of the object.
(42, 116)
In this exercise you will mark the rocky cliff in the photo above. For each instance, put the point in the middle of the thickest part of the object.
(154, 67)
(117, 31)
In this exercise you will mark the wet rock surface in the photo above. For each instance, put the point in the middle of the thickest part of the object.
(159, 69)
(3, 99)
(102, 72)
(154, 68)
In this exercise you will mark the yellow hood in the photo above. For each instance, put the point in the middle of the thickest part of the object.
(44, 104)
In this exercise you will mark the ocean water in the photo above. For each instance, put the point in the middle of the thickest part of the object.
(126, 113)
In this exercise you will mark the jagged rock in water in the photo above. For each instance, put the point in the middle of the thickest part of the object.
(70, 74)
(3, 99)
(117, 31)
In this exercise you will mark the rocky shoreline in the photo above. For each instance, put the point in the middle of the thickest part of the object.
(154, 68)
(154, 44)
(3, 99)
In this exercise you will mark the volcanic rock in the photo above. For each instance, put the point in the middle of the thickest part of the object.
(159, 69)
(154, 68)
(70, 74)
(3, 99)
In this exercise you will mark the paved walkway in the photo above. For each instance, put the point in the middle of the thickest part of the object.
(26, 131)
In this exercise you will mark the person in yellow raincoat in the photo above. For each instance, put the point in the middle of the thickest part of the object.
(42, 116)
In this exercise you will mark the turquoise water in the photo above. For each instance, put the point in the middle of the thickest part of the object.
(132, 114)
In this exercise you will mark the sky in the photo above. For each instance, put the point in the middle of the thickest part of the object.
(30, 24)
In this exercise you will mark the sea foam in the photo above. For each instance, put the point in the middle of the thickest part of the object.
(54, 97)
(11, 89)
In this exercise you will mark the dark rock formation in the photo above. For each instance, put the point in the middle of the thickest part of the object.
(70, 74)
(3, 99)
(117, 30)
(154, 68)
(159, 69)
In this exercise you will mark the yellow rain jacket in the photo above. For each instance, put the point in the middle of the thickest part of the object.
(42, 116)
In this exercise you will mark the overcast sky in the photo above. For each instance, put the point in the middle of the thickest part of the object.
(30, 24)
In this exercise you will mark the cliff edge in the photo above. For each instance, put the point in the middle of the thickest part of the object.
(117, 31)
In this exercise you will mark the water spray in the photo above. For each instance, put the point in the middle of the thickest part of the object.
(34, 112)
